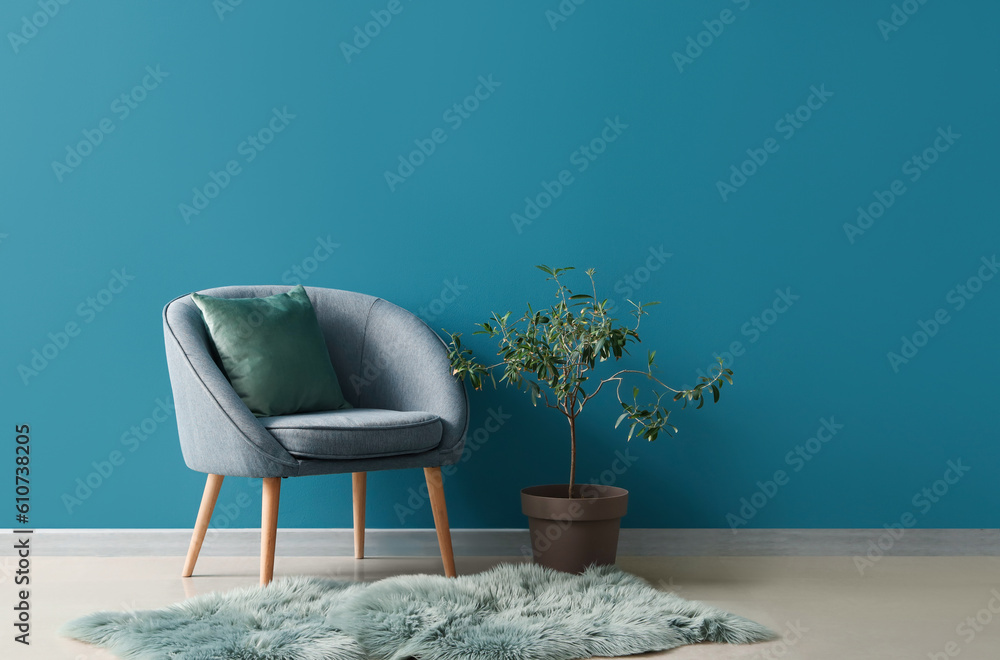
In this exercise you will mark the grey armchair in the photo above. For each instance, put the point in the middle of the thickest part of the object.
(409, 412)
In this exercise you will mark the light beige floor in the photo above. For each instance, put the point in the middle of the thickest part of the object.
(905, 607)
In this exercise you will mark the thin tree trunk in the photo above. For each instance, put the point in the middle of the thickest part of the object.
(572, 454)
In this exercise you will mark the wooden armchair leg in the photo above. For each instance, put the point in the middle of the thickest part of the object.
(208, 499)
(359, 481)
(269, 527)
(435, 488)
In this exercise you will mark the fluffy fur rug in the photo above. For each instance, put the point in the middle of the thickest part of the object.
(511, 612)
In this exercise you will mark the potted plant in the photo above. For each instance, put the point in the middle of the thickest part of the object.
(554, 354)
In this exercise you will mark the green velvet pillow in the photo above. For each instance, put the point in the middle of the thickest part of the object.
(273, 352)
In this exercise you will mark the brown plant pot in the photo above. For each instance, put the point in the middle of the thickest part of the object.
(569, 534)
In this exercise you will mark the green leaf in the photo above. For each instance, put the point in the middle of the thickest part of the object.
(621, 418)
(715, 393)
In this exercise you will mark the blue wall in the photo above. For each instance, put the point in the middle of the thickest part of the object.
(839, 98)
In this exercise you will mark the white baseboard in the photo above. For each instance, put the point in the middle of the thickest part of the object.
(513, 542)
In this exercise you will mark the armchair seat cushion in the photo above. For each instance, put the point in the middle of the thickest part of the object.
(357, 433)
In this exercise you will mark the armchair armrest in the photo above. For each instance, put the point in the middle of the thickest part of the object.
(405, 366)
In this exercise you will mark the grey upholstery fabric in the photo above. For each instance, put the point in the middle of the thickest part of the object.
(385, 358)
(412, 372)
(358, 433)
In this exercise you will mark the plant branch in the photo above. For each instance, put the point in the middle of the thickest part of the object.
(552, 353)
